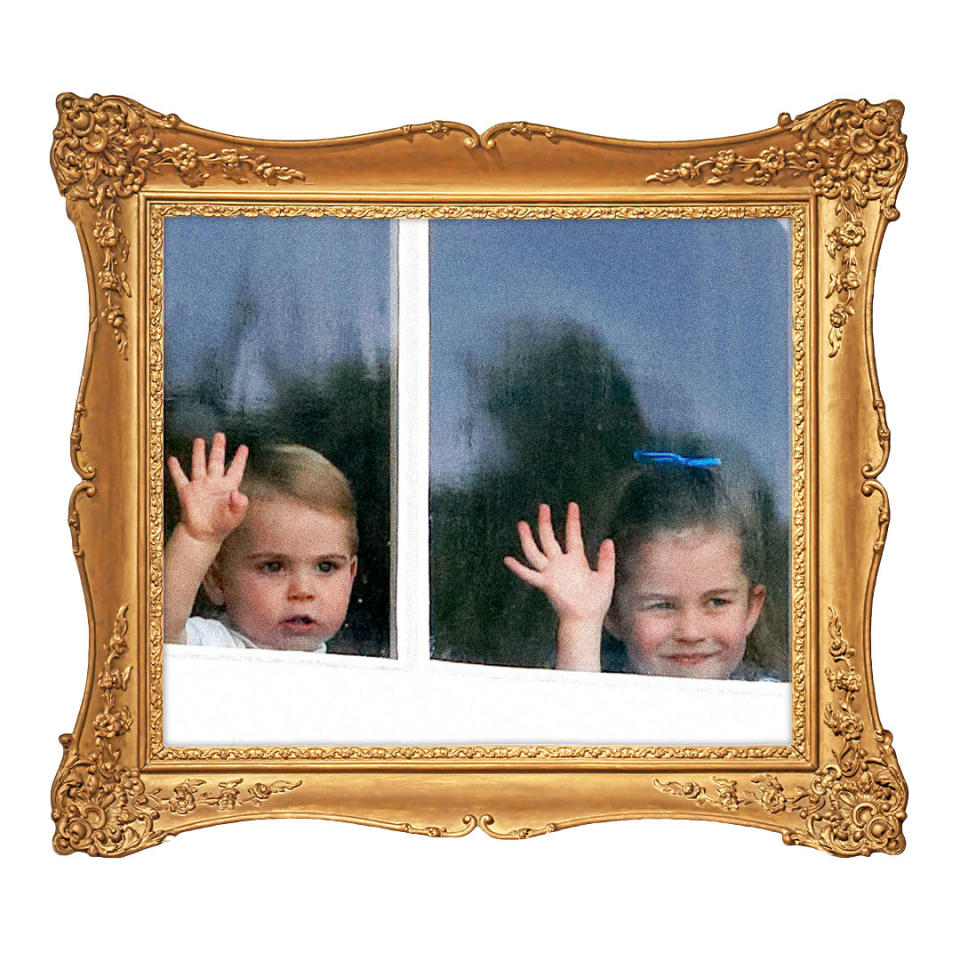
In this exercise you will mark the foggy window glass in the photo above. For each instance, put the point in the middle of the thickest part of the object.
(558, 349)
(279, 330)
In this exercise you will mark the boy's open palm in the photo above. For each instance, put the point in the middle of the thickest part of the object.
(577, 592)
(211, 504)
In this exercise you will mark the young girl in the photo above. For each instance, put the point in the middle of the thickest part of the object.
(677, 583)
(275, 548)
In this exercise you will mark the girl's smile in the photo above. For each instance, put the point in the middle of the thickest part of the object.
(686, 607)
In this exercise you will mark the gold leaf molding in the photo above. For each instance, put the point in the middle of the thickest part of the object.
(853, 805)
(101, 805)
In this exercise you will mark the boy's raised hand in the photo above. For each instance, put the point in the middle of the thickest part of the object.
(578, 593)
(211, 504)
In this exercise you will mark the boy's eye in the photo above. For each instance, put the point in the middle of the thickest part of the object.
(719, 601)
(660, 605)
(326, 566)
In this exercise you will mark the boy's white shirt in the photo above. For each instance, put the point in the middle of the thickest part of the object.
(202, 632)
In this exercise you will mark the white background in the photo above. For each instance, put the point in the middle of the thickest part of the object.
(296, 888)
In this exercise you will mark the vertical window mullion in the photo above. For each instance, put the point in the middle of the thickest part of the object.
(413, 443)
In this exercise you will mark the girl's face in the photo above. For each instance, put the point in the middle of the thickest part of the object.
(685, 607)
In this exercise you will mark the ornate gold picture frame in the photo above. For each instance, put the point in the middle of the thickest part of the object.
(831, 175)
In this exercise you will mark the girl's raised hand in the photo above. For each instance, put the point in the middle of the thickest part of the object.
(577, 592)
(211, 504)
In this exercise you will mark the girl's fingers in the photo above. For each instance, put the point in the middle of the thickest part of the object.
(606, 560)
(238, 464)
(529, 546)
(548, 540)
(180, 479)
(573, 537)
(218, 454)
(532, 577)
(198, 469)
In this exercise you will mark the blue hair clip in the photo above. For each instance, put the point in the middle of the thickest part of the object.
(653, 456)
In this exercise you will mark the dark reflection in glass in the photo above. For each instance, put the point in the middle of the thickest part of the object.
(278, 331)
(557, 350)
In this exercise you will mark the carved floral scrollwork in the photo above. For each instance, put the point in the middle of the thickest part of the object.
(519, 833)
(519, 129)
(229, 795)
(725, 796)
(194, 168)
(852, 152)
(435, 128)
(855, 804)
(101, 806)
(720, 166)
(103, 149)
(470, 822)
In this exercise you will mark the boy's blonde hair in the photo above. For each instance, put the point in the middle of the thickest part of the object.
(289, 470)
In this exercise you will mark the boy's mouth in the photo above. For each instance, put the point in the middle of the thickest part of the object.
(298, 624)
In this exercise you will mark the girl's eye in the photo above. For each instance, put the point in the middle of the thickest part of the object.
(271, 566)
(660, 605)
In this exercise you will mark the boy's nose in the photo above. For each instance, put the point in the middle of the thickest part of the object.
(300, 587)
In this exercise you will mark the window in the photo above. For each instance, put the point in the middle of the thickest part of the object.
(496, 364)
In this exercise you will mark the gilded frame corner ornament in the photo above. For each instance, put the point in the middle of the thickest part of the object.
(835, 172)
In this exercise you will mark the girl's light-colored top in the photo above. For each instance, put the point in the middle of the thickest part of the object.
(202, 632)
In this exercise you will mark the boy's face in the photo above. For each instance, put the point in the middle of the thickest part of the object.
(686, 607)
(285, 575)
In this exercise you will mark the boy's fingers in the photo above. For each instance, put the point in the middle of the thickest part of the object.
(238, 464)
(573, 537)
(180, 479)
(198, 469)
(548, 540)
(532, 577)
(218, 454)
(238, 503)
(529, 546)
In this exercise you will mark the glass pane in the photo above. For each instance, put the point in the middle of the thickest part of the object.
(278, 333)
(564, 353)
